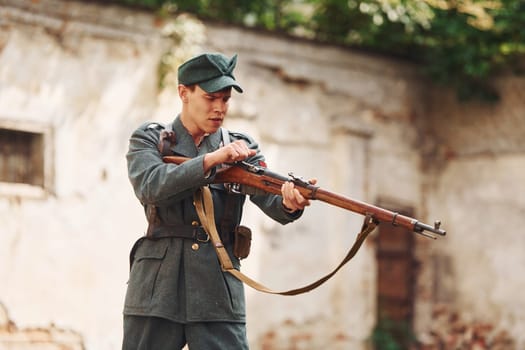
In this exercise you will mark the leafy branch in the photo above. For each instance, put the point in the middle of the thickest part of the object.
(458, 43)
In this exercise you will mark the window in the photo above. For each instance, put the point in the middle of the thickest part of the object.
(21, 157)
(25, 159)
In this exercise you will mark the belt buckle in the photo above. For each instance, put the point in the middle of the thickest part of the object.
(198, 231)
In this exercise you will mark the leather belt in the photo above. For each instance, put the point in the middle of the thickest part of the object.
(178, 231)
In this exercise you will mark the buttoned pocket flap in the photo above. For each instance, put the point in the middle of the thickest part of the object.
(155, 250)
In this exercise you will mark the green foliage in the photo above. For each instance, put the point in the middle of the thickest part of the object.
(143, 3)
(465, 56)
(391, 335)
(459, 43)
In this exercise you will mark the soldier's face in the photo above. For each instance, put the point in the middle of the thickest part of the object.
(206, 111)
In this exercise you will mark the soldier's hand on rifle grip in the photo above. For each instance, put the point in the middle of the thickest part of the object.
(293, 200)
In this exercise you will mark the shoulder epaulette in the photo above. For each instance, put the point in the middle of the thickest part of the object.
(153, 126)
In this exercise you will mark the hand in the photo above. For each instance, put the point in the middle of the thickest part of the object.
(293, 200)
(236, 151)
(233, 152)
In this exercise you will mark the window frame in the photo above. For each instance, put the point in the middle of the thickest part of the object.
(11, 189)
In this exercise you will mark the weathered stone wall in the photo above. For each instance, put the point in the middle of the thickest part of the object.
(90, 81)
(478, 185)
(365, 126)
(50, 338)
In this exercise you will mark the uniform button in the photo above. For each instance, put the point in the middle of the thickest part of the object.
(195, 223)
(195, 246)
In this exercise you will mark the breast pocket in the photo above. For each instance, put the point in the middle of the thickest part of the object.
(147, 263)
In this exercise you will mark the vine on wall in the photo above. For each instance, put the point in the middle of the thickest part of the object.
(186, 35)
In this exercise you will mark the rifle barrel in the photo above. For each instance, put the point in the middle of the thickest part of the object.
(378, 213)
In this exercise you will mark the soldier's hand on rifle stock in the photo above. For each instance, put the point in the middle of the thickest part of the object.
(231, 153)
(293, 200)
(238, 150)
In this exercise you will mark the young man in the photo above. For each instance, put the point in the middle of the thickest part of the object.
(177, 293)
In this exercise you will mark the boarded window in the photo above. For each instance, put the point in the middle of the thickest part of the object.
(395, 284)
(21, 157)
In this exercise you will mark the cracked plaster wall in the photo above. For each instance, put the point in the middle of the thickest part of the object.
(364, 125)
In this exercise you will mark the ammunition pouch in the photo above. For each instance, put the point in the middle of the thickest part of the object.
(242, 241)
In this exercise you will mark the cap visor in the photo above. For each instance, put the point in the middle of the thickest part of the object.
(220, 83)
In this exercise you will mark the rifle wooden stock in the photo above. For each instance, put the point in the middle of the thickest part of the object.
(263, 179)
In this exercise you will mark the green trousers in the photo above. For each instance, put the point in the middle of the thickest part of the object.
(154, 333)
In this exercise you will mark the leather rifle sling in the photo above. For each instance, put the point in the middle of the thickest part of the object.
(204, 205)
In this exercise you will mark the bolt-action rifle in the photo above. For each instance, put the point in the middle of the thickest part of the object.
(241, 177)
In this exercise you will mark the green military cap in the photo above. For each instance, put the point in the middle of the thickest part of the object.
(211, 71)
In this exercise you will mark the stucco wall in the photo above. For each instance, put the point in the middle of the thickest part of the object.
(480, 189)
(363, 125)
(64, 253)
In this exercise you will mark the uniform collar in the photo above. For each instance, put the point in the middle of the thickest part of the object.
(185, 146)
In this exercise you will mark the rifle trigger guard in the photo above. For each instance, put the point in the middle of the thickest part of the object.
(234, 188)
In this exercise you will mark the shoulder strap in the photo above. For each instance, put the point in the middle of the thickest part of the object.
(166, 140)
(204, 205)
(227, 222)
(225, 136)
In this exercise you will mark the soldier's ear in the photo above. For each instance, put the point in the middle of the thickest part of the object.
(183, 93)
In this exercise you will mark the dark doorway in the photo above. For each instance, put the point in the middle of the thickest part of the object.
(395, 283)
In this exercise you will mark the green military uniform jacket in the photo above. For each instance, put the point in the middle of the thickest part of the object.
(168, 278)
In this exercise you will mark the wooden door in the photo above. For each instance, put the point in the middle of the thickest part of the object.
(395, 283)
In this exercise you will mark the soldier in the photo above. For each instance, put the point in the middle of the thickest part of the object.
(177, 293)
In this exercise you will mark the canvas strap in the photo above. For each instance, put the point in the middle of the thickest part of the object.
(204, 205)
